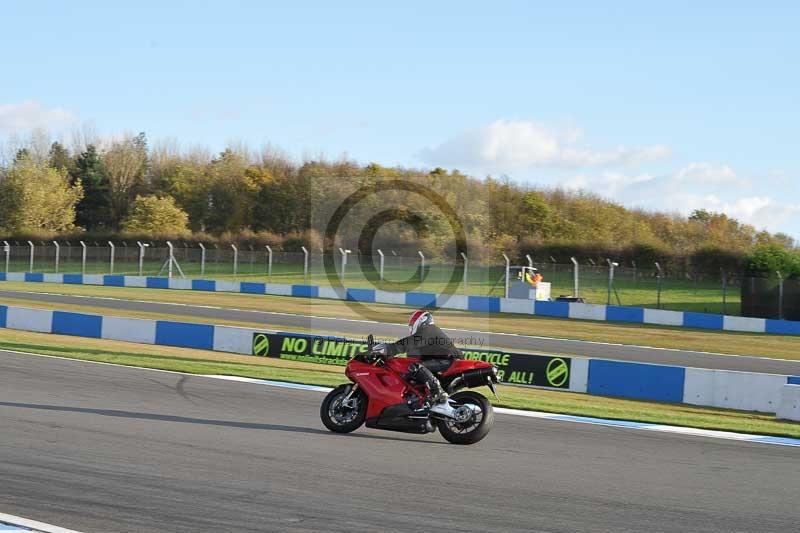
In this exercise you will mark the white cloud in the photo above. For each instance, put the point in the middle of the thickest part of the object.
(699, 185)
(508, 145)
(31, 115)
(607, 183)
(704, 173)
(528, 149)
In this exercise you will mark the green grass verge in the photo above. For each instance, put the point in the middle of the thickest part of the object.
(204, 362)
(725, 342)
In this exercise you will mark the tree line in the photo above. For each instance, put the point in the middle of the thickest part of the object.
(126, 188)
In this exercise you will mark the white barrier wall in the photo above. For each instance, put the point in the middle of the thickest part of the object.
(234, 340)
(129, 329)
(24, 319)
(789, 408)
(746, 391)
(579, 378)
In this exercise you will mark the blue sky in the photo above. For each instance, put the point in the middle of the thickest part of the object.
(663, 105)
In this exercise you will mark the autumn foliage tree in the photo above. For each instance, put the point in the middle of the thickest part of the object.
(35, 198)
(241, 194)
(154, 215)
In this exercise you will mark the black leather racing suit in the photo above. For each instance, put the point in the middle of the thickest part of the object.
(435, 350)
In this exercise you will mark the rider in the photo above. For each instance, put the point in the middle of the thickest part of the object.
(436, 352)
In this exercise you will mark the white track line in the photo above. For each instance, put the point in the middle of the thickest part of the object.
(32, 524)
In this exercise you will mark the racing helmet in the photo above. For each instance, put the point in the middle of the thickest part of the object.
(418, 319)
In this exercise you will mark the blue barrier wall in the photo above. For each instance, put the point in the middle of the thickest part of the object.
(204, 285)
(361, 295)
(253, 288)
(421, 299)
(157, 283)
(114, 281)
(305, 291)
(616, 313)
(77, 324)
(636, 380)
(185, 335)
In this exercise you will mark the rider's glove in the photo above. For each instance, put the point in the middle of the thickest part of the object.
(380, 348)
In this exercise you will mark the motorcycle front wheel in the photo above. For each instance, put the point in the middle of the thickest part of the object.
(341, 417)
(473, 427)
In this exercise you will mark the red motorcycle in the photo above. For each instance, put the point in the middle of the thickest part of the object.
(382, 396)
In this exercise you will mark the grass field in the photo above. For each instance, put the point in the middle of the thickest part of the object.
(633, 288)
(204, 362)
(761, 345)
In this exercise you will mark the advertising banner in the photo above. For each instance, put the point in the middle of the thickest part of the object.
(513, 368)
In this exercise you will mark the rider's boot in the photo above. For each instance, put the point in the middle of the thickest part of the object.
(441, 405)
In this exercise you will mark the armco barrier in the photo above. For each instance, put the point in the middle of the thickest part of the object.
(716, 388)
(483, 304)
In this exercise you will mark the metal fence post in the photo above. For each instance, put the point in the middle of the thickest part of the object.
(58, 252)
(611, 266)
(111, 260)
(7, 250)
(575, 277)
(269, 262)
(724, 291)
(421, 267)
(202, 258)
(780, 295)
(508, 273)
(235, 259)
(659, 275)
(466, 266)
(305, 264)
(171, 259)
(30, 265)
(141, 256)
(380, 270)
(635, 274)
(344, 263)
(83, 258)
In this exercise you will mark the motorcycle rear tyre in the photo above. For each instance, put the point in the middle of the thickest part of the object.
(483, 428)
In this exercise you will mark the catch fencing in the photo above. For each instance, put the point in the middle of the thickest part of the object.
(608, 283)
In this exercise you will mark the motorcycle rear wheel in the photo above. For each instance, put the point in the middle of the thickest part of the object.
(341, 419)
(473, 430)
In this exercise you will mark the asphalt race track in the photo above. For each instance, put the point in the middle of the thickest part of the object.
(362, 328)
(99, 448)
